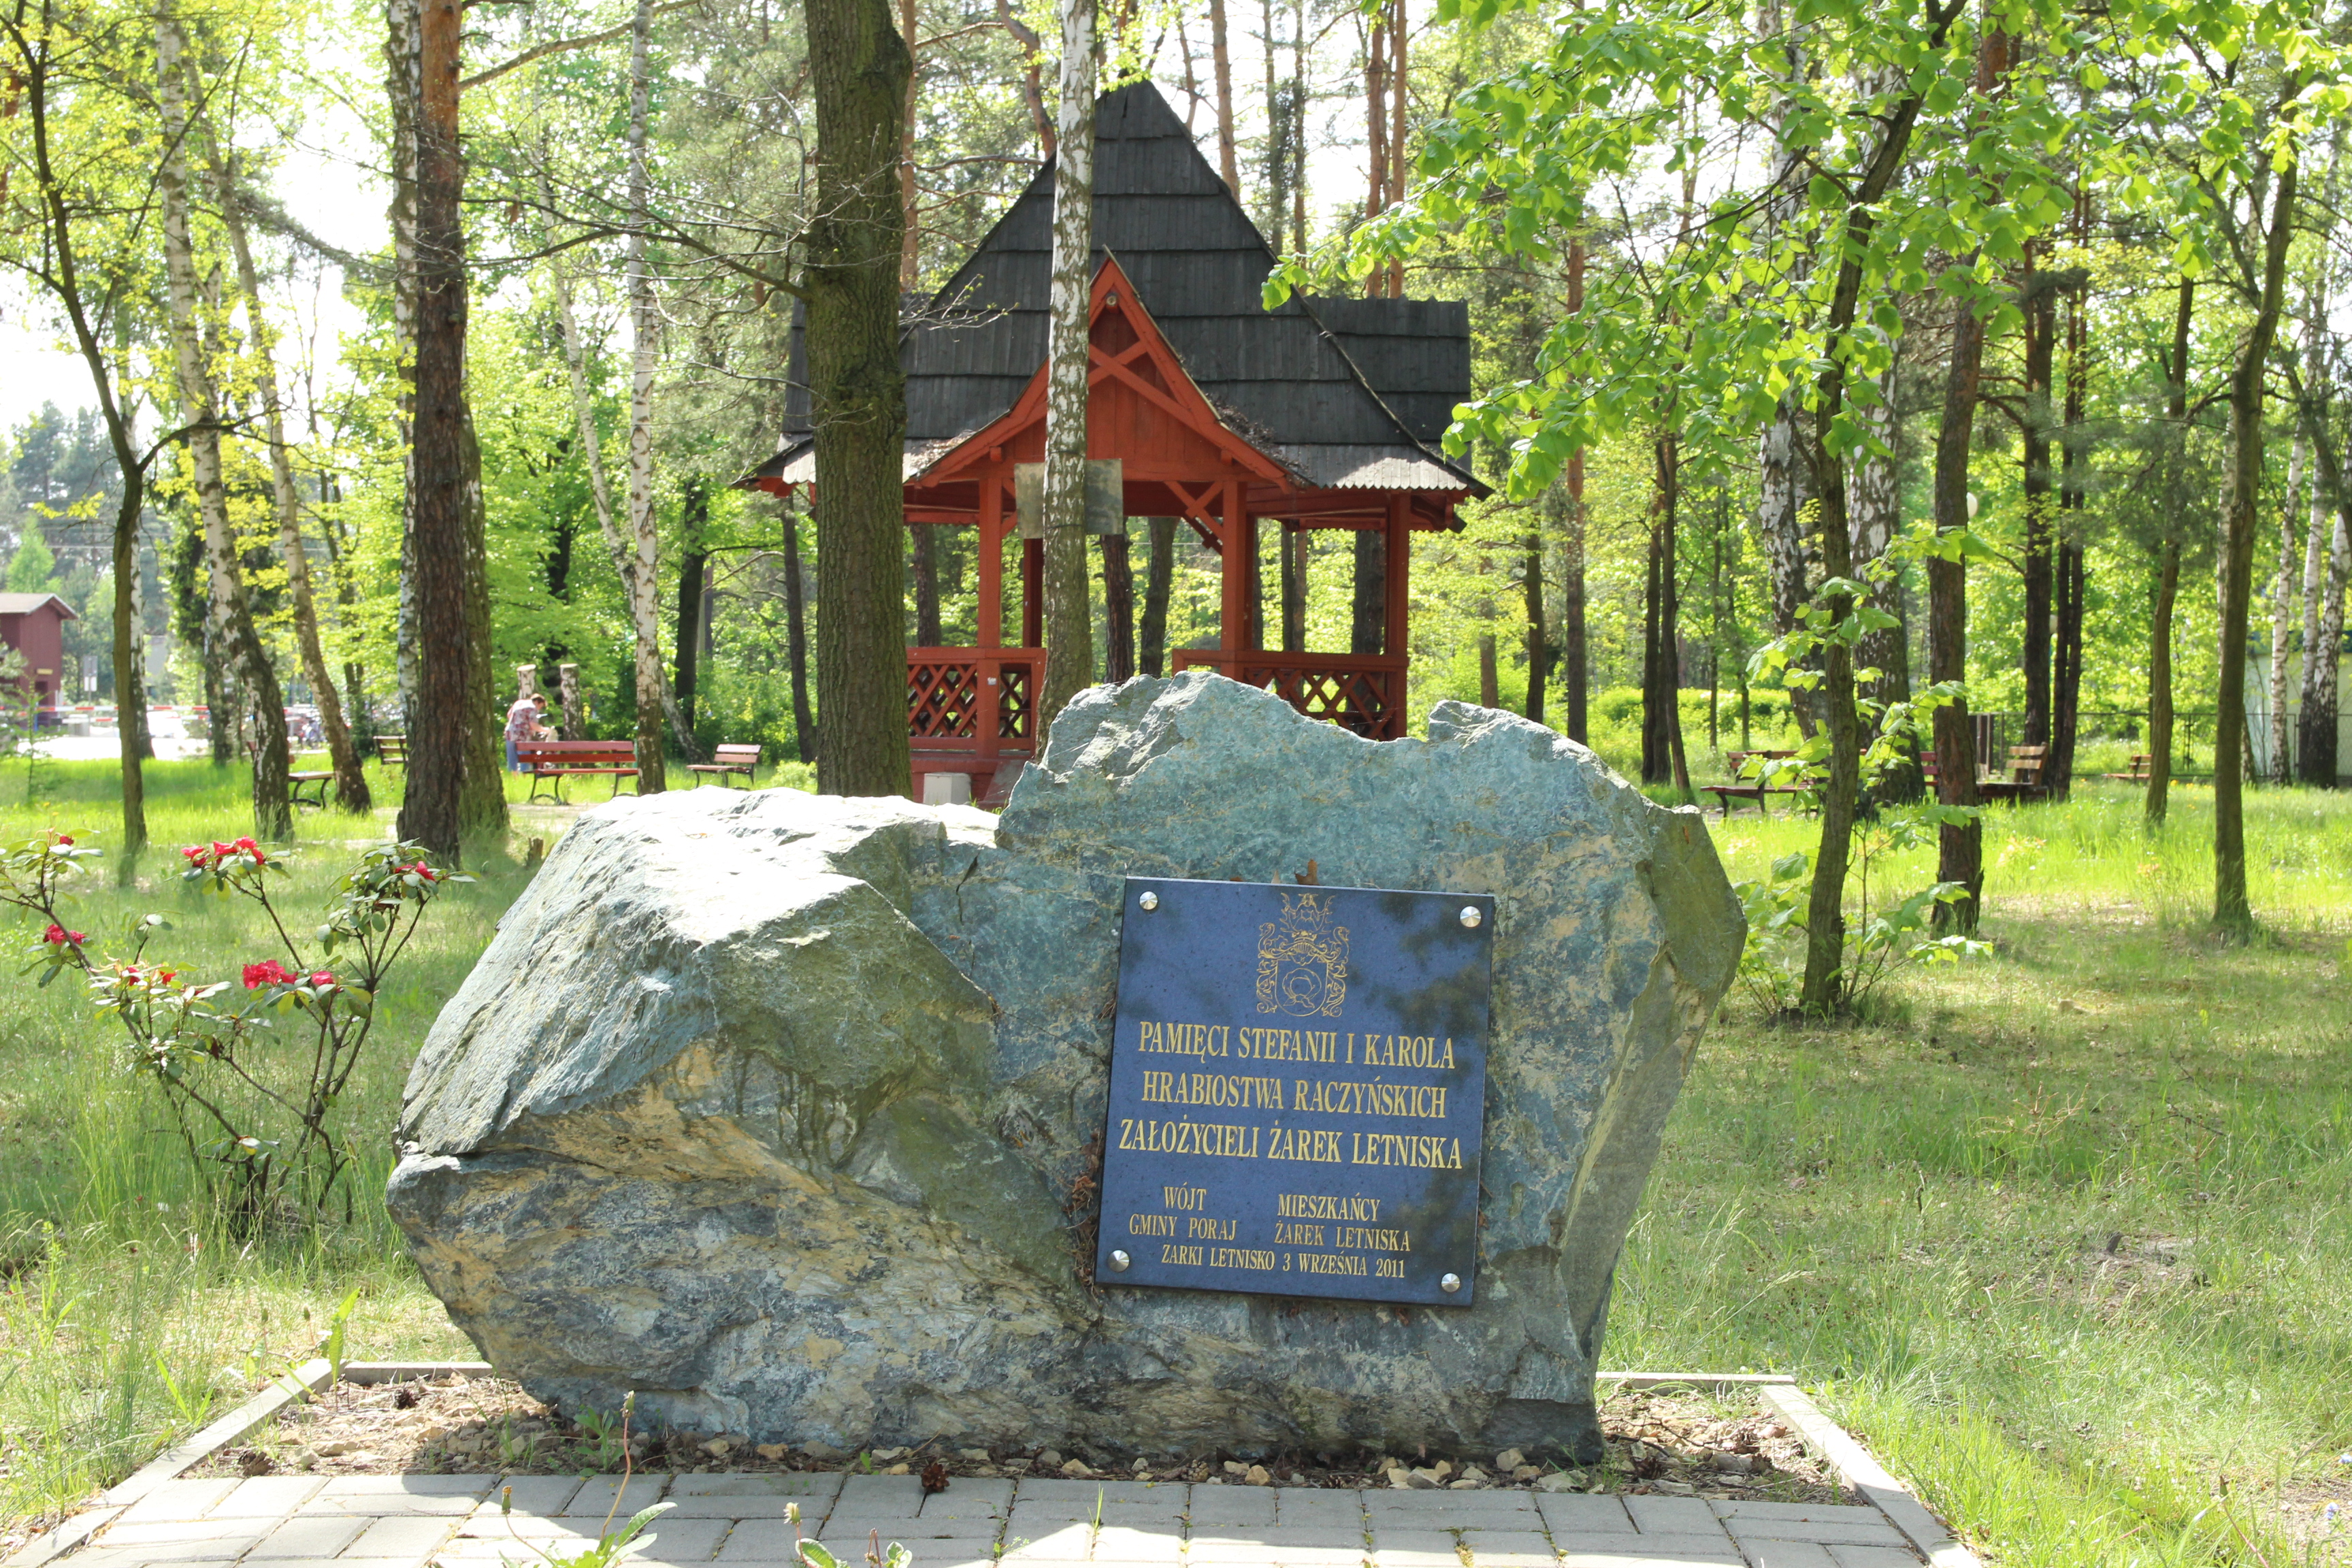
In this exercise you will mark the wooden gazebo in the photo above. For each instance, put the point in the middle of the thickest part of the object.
(1325, 413)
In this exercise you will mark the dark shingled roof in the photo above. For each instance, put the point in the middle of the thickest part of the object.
(1351, 393)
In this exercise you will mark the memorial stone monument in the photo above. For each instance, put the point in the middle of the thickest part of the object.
(1247, 1085)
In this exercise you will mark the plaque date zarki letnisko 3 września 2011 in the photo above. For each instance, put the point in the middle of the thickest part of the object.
(1298, 1092)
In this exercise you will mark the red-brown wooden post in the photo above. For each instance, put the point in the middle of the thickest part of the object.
(1394, 641)
(991, 609)
(1232, 610)
(991, 557)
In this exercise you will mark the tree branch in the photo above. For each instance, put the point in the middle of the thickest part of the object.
(562, 46)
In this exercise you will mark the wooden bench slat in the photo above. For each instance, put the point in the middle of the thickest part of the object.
(554, 761)
(727, 761)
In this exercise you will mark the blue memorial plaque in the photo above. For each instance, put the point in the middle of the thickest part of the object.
(1298, 1092)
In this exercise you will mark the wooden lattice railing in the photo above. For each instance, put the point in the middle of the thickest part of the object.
(1362, 692)
(977, 698)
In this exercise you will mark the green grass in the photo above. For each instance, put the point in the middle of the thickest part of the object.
(2063, 1233)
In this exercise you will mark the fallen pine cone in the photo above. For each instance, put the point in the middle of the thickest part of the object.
(935, 1476)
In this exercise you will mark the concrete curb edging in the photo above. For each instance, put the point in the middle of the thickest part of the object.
(1847, 1459)
(1854, 1466)
(298, 1383)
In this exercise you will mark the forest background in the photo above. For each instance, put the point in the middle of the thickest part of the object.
(2094, 469)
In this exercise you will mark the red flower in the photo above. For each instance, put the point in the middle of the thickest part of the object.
(64, 838)
(243, 844)
(57, 933)
(422, 869)
(195, 853)
(323, 977)
(268, 972)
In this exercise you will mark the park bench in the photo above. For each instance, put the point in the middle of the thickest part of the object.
(299, 779)
(392, 750)
(2025, 781)
(2140, 763)
(556, 761)
(1756, 789)
(727, 761)
(1725, 794)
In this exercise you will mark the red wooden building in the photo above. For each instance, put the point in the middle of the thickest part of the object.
(1325, 413)
(35, 626)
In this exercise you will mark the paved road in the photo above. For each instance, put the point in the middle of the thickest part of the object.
(392, 1521)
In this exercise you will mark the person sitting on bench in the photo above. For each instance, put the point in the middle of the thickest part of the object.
(522, 724)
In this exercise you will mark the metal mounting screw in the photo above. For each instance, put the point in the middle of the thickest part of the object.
(1450, 1284)
(1149, 900)
(1120, 1260)
(1472, 916)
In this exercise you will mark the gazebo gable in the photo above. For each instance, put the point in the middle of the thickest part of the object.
(1142, 407)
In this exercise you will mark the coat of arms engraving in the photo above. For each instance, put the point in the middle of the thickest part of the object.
(1302, 960)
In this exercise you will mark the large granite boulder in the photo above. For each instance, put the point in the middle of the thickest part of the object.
(782, 1110)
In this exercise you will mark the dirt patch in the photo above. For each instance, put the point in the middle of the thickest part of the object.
(455, 1425)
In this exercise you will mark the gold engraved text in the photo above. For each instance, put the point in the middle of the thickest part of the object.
(1360, 1097)
(1217, 1139)
(1325, 1205)
(1214, 1088)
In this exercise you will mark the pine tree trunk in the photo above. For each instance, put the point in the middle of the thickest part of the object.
(1370, 608)
(859, 395)
(2066, 668)
(439, 717)
(804, 736)
(2167, 572)
(1291, 542)
(273, 816)
(1118, 609)
(685, 656)
(2243, 500)
(924, 539)
(1531, 586)
(1069, 618)
(1960, 853)
(2040, 510)
(1228, 153)
(2240, 520)
(1661, 680)
(351, 793)
(1160, 567)
(2070, 578)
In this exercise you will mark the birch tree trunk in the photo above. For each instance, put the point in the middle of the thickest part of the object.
(403, 80)
(2321, 760)
(1779, 522)
(2315, 584)
(642, 579)
(351, 782)
(273, 816)
(1069, 625)
(2282, 587)
(1878, 512)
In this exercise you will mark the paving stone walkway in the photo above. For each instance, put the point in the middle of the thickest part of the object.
(409, 1522)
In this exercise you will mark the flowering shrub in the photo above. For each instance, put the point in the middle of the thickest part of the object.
(255, 1117)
